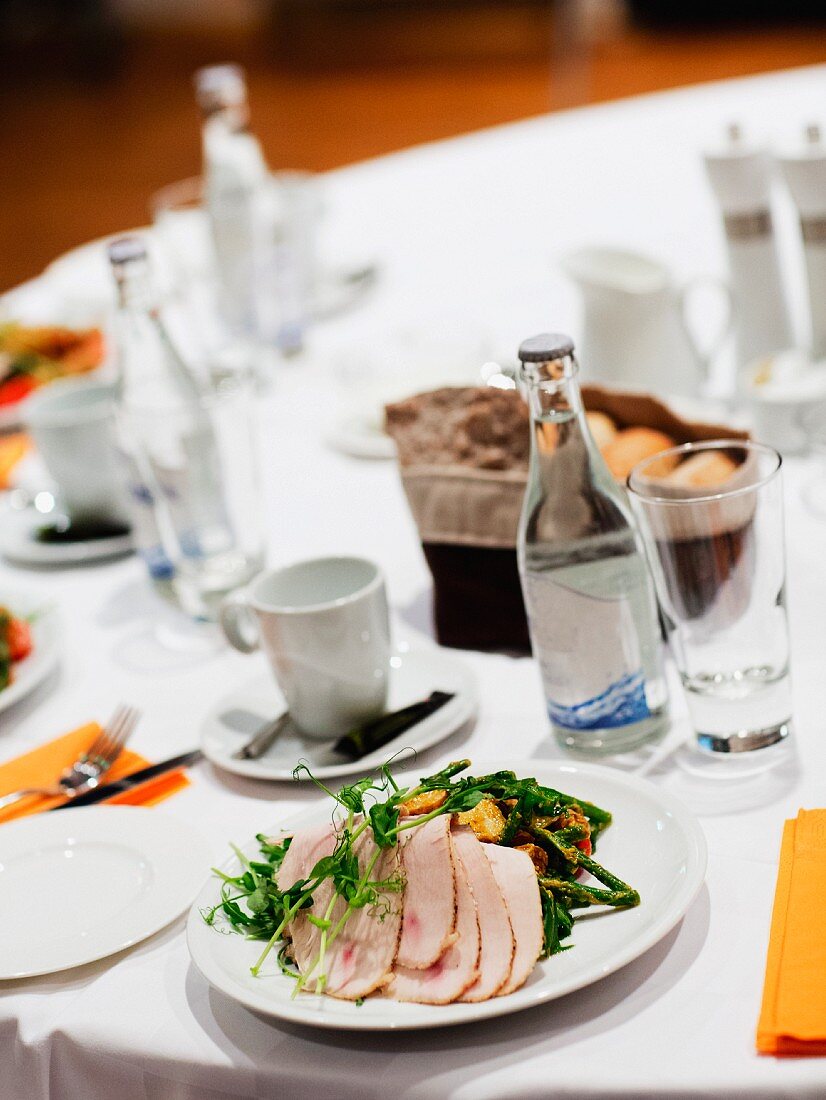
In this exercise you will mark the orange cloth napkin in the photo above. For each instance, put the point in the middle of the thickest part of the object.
(41, 766)
(793, 1016)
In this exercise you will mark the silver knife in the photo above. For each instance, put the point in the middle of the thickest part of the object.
(263, 739)
(117, 786)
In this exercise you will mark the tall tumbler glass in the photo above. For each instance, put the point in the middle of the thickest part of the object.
(712, 517)
(200, 461)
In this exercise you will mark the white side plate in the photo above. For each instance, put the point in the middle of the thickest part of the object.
(83, 883)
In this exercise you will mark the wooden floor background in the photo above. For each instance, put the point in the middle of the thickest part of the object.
(80, 159)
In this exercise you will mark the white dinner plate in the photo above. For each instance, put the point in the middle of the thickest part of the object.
(415, 673)
(32, 670)
(81, 884)
(654, 843)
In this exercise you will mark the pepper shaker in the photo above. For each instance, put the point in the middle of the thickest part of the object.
(740, 176)
(805, 173)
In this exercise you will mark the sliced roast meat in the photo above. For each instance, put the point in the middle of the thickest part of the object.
(429, 915)
(300, 858)
(516, 876)
(457, 968)
(497, 943)
(360, 958)
(308, 846)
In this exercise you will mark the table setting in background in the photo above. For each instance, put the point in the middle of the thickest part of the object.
(393, 697)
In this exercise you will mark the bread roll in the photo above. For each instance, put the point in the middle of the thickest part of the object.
(603, 428)
(632, 445)
(704, 470)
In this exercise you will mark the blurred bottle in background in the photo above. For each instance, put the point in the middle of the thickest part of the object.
(235, 176)
(167, 438)
(129, 262)
(263, 224)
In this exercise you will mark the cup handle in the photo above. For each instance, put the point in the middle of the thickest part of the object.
(705, 357)
(238, 623)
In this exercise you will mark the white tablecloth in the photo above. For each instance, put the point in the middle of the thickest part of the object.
(470, 229)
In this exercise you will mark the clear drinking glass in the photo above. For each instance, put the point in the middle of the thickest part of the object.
(286, 210)
(199, 459)
(287, 215)
(186, 266)
(714, 535)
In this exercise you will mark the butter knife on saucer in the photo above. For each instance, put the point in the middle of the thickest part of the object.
(259, 744)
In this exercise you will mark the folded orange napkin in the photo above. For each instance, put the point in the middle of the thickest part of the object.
(793, 1016)
(41, 766)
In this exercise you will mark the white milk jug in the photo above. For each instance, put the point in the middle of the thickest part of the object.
(635, 333)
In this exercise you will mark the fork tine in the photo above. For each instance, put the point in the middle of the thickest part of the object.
(95, 749)
(110, 735)
(130, 720)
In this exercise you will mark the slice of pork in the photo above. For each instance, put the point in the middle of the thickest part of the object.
(308, 846)
(516, 876)
(300, 858)
(360, 959)
(457, 968)
(497, 943)
(429, 915)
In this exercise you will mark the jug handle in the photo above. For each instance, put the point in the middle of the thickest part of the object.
(705, 357)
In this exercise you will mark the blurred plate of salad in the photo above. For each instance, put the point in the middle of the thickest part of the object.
(29, 643)
(33, 356)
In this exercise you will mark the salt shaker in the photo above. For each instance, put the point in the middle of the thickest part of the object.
(740, 176)
(805, 173)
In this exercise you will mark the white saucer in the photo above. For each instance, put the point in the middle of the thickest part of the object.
(234, 721)
(45, 654)
(359, 437)
(92, 881)
(18, 544)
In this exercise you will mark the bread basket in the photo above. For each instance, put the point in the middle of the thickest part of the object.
(467, 517)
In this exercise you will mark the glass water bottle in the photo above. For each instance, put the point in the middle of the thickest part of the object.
(235, 175)
(167, 439)
(588, 592)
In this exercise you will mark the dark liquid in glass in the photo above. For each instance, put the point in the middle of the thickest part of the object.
(704, 571)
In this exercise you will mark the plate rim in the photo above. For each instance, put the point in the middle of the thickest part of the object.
(468, 700)
(690, 887)
(188, 836)
(51, 618)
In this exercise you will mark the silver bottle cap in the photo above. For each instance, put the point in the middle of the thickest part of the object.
(220, 86)
(546, 346)
(126, 250)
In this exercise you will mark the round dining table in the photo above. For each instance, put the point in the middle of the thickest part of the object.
(467, 234)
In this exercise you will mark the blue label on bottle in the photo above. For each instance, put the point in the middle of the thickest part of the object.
(620, 704)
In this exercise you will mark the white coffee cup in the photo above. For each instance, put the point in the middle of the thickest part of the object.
(325, 628)
(72, 422)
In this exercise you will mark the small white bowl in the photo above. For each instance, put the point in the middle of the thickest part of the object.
(778, 389)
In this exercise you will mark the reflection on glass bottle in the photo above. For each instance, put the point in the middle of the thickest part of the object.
(588, 592)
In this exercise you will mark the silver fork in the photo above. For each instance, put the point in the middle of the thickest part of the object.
(87, 770)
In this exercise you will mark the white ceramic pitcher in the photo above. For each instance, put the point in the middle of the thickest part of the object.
(636, 332)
